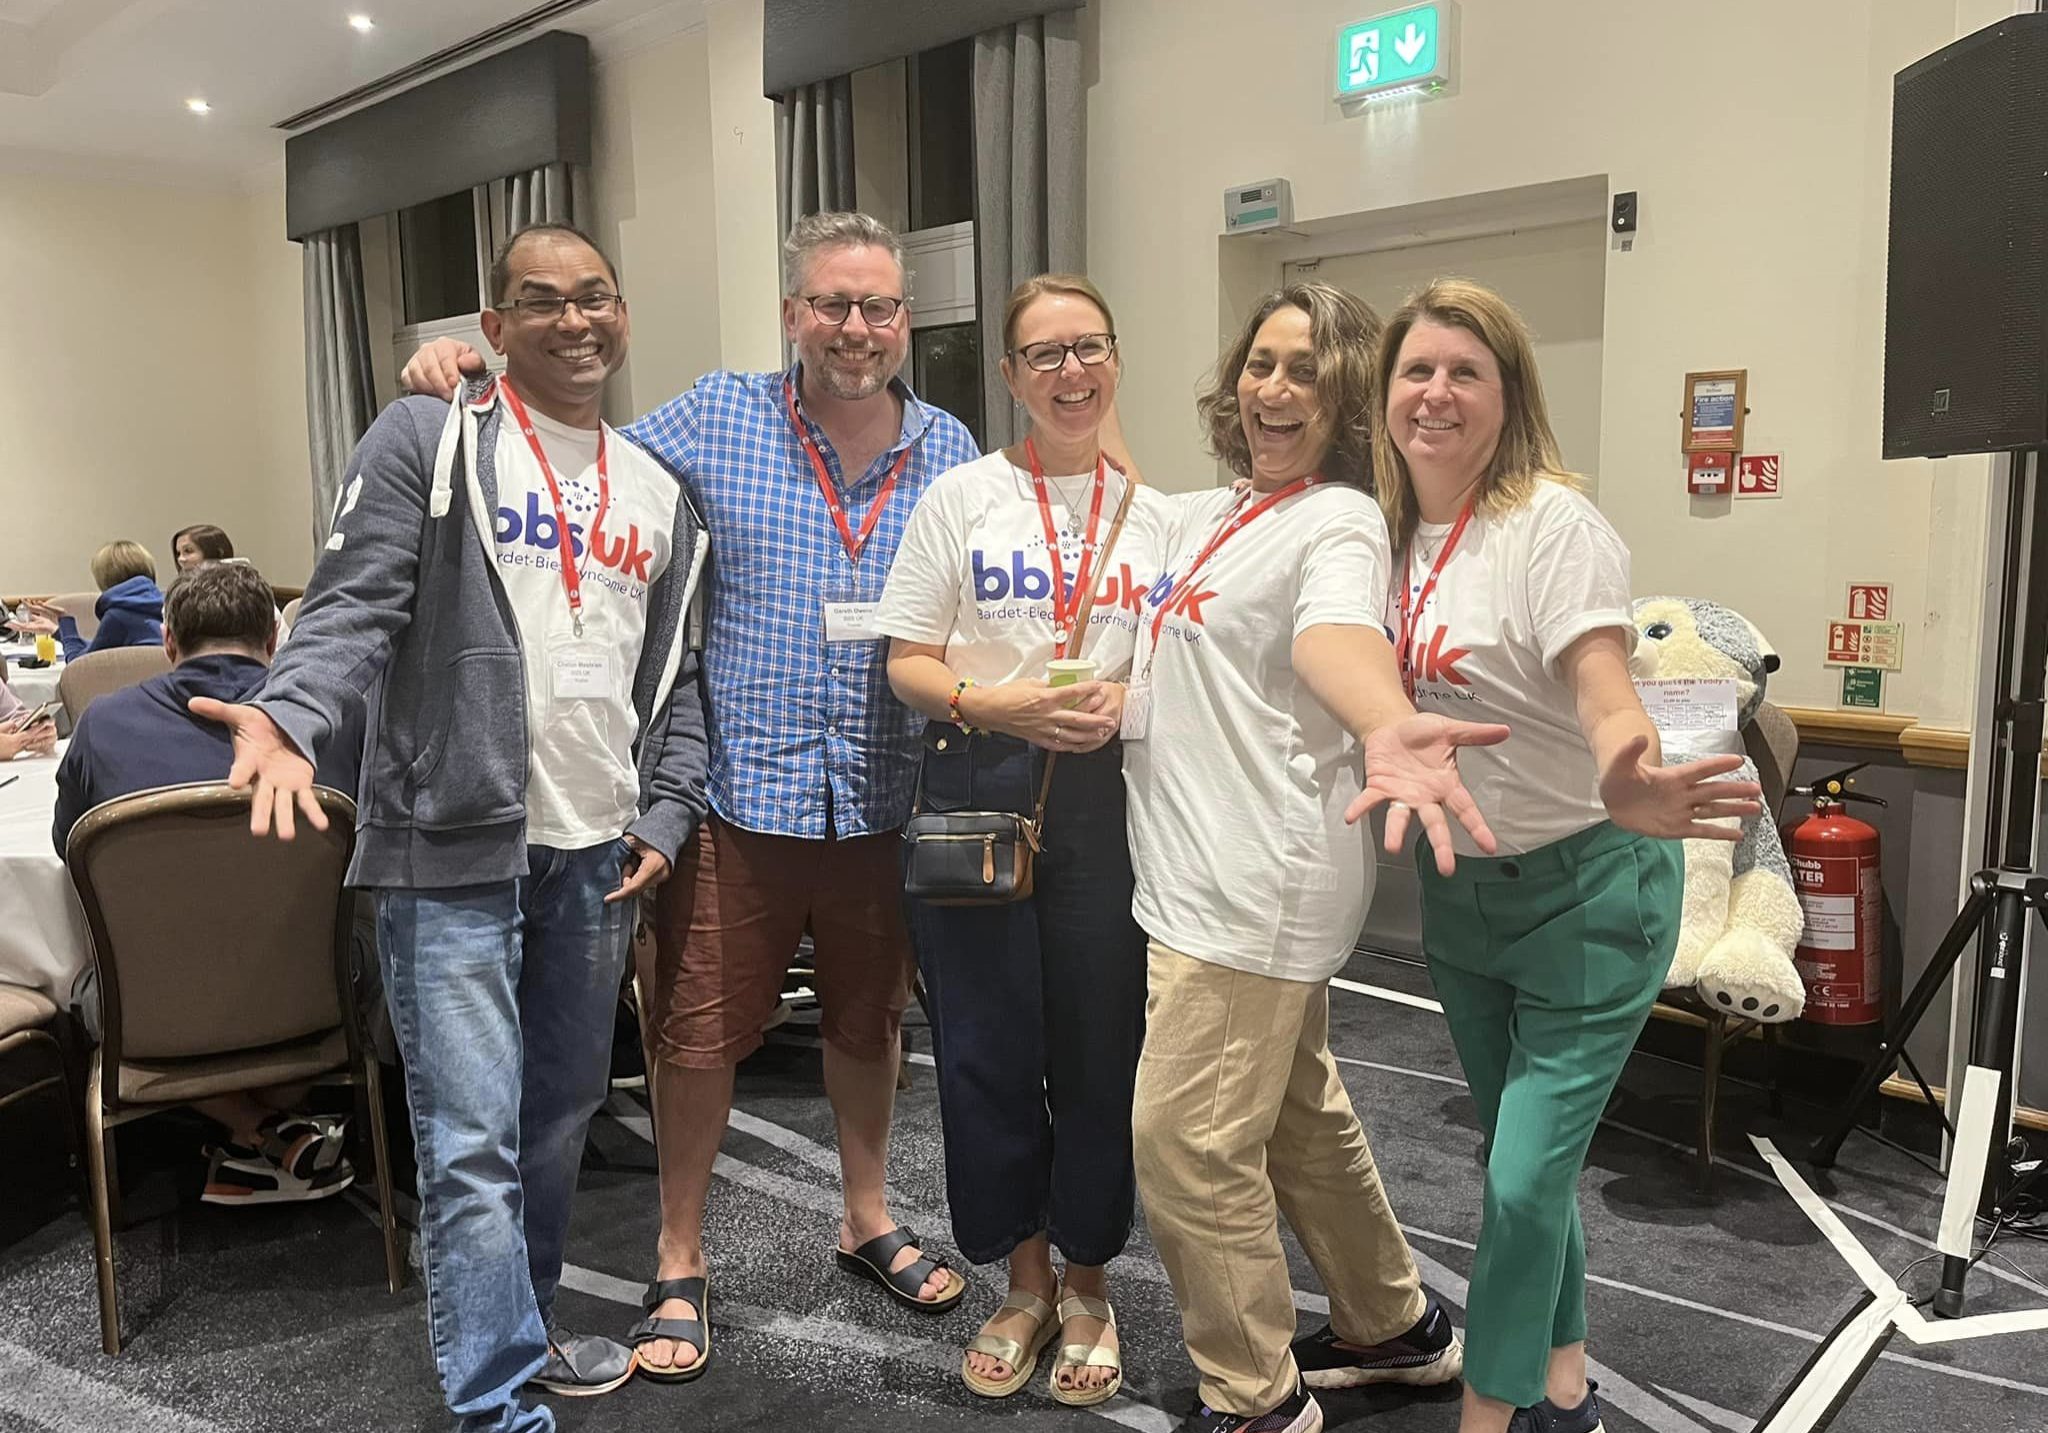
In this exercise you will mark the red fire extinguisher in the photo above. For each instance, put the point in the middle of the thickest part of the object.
(1835, 872)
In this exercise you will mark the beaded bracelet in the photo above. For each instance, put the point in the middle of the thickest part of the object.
(953, 703)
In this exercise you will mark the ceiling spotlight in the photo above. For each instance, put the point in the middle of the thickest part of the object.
(199, 106)
(361, 24)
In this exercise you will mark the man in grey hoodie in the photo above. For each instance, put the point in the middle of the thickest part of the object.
(534, 758)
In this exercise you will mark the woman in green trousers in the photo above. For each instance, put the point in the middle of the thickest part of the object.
(1510, 603)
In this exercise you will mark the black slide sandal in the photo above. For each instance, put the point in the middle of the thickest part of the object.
(871, 1262)
(694, 1332)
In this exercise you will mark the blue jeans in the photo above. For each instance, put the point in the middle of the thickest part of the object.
(1038, 1012)
(502, 999)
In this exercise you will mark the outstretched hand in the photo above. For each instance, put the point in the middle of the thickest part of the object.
(1678, 803)
(1411, 767)
(264, 757)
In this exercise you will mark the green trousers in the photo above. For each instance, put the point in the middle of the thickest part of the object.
(1547, 964)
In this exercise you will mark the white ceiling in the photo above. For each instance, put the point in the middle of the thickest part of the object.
(99, 86)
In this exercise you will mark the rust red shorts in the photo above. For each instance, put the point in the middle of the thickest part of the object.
(726, 927)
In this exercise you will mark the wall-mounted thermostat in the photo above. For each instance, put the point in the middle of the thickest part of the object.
(1267, 204)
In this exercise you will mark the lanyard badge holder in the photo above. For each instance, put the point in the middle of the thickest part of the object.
(578, 672)
(1137, 718)
(848, 618)
(1411, 617)
(975, 858)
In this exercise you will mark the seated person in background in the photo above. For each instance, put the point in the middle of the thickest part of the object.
(130, 609)
(219, 630)
(202, 542)
(18, 734)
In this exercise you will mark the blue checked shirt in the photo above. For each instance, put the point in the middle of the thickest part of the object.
(796, 723)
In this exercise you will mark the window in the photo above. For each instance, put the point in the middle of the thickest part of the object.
(945, 366)
(437, 252)
(941, 137)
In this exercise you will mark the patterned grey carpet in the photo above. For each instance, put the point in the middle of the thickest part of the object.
(1703, 1305)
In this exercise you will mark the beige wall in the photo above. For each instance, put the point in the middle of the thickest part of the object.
(743, 175)
(1762, 246)
(154, 378)
(1555, 276)
(652, 183)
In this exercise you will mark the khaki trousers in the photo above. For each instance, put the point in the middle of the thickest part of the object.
(1240, 1117)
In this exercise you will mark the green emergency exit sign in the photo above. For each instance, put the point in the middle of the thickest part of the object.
(1402, 52)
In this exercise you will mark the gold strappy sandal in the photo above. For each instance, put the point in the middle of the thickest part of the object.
(1022, 1358)
(1086, 1355)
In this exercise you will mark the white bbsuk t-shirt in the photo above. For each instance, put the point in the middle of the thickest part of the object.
(972, 574)
(1237, 792)
(1514, 593)
(582, 787)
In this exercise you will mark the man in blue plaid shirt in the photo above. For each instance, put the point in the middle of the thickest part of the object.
(806, 480)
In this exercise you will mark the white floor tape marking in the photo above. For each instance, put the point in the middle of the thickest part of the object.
(1380, 992)
(1911, 1322)
(1760, 1176)
(1720, 1417)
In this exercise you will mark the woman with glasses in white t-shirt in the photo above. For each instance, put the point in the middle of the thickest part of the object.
(1038, 1005)
(1261, 676)
(1511, 601)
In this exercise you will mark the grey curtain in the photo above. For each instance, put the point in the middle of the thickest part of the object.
(814, 149)
(1030, 146)
(556, 194)
(340, 392)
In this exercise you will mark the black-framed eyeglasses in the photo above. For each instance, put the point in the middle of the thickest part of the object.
(1050, 356)
(876, 310)
(550, 307)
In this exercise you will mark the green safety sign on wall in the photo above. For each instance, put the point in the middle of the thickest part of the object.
(1863, 687)
(1400, 52)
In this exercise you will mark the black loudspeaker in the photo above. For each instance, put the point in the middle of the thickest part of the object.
(1966, 302)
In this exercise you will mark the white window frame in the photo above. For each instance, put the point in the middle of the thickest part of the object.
(941, 263)
(407, 339)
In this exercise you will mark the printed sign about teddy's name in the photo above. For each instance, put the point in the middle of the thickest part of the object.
(1694, 716)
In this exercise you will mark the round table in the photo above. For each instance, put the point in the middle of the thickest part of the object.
(43, 940)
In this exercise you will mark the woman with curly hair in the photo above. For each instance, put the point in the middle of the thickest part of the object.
(1262, 673)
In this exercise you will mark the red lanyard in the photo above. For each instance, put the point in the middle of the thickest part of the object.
(572, 580)
(1235, 521)
(847, 537)
(1411, 618)
(1066, 604)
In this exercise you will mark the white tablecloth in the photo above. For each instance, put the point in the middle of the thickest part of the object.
(33, 685)
(43, 940)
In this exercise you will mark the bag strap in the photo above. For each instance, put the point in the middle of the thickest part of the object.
(1123, 510)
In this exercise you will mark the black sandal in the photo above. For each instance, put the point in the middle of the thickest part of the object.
(694, 1332)
(871, 1261)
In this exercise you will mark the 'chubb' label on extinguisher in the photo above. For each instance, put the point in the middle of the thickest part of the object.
(1841, 950)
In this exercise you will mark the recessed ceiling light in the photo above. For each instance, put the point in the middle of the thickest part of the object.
(199, 106)
(361, 24)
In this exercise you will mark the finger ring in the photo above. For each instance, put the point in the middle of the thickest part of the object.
(1397, 806)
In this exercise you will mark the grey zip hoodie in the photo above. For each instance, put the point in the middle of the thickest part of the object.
(406, 625)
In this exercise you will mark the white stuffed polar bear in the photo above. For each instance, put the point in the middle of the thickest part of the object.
(1741, 920)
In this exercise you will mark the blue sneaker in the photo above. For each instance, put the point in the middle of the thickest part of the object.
(1547, 1417)
(1431, 1352)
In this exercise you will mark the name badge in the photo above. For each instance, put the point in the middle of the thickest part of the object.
(585, 676)
(1137, 718)
(851, 622)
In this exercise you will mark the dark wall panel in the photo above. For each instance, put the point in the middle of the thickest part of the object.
(811, 40)
(523, 109)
